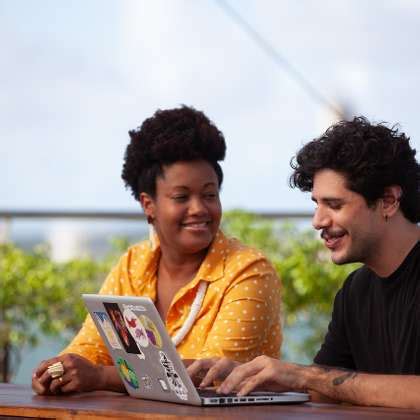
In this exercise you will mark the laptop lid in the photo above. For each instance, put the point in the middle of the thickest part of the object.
(141, 348)
(147, 360)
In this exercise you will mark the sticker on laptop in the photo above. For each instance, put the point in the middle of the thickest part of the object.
(151, 331)
(163, 385)
(175, 382)
(105, 324)
(136, 328)
(121, 329)
(127, 373)
(138, 308)
(147, 381)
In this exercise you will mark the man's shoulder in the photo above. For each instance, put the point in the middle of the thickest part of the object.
(358, 280)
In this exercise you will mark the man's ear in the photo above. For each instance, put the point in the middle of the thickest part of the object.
(148, 205)
(391, 200)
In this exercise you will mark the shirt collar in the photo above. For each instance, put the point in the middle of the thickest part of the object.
(211, 269)
(213, 266)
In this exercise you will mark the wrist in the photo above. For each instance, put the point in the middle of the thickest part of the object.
(101, 378)
(307, 377)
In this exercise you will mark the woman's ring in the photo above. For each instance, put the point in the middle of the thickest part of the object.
(56, 370)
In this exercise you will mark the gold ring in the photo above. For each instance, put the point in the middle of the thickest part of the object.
(56, 370)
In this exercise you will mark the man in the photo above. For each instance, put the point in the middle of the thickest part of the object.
(365, 181)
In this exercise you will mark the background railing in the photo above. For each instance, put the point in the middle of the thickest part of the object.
(120, 215)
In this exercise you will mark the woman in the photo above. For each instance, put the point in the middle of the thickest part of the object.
(171, 167)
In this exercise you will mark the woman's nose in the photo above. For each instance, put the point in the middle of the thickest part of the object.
(197, 206)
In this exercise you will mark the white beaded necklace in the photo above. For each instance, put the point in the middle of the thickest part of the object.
(195, 309)
(196, 305)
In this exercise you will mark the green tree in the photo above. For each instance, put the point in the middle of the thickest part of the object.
(38, 295)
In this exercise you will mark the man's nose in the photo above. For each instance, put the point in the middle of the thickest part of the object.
(320, 219)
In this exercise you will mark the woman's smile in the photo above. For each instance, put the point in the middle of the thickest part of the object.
(197, 226)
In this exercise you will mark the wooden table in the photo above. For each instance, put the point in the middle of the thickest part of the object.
(17, 401)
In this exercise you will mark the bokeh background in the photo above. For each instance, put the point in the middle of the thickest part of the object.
(76, 75)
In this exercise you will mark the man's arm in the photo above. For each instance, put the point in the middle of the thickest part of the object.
(341, 385)
(401, 391)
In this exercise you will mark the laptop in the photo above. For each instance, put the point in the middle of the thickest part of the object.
(147, 360)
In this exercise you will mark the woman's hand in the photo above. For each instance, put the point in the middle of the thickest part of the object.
(79, 375)
(205, 372)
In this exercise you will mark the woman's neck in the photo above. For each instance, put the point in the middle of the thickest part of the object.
(180, 268)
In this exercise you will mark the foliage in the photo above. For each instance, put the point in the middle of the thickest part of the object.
(310, 280)
(38, 295)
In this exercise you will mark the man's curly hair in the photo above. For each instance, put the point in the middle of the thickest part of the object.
(371, 157)
(169, 136)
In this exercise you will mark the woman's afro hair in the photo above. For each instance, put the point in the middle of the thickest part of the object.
(169, 136)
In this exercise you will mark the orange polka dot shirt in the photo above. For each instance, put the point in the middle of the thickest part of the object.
(240, 314)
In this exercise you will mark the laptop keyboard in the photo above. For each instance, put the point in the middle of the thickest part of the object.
(208, 393)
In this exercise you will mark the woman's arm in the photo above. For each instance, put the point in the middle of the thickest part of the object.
(79, 375)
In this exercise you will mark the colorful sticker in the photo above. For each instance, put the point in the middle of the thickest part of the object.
(127, 373)
(175, 382)
(136, 328)
(163, 385)
(138, 308)
(147, 381)
(151, 331)
(117, 319)
(107, 329)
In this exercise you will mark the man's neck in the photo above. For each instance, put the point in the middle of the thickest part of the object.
(397, 242)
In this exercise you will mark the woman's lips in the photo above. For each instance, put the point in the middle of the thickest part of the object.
(196, 226)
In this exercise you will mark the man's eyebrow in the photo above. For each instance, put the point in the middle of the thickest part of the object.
(328, 200)
(332, 200)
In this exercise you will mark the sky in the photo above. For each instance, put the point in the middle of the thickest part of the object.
(76, 76)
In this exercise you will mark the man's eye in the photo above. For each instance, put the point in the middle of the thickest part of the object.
(179, 197)
(210, 196)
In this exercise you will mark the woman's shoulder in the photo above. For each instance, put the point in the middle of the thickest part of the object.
(236, 250)
(242, 261)
(140, 252)
(142, 247)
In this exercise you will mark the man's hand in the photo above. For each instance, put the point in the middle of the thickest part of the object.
(264, 373)
(206, 372)
(79, 375)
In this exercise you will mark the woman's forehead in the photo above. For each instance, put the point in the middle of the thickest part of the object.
(185, 173)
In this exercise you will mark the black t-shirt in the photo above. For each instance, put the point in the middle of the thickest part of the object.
(375, 324)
